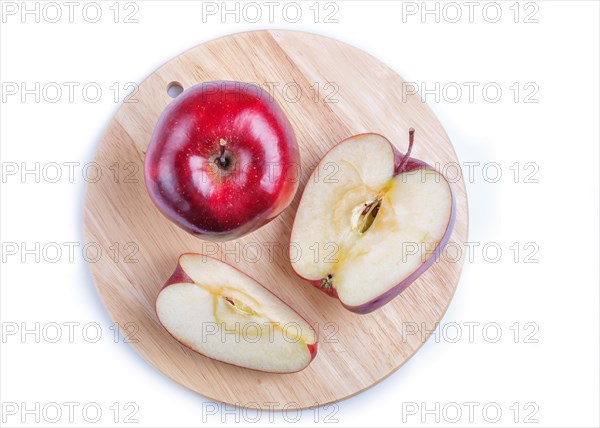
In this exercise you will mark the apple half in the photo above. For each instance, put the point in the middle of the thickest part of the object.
(370, 221)
(222, 313)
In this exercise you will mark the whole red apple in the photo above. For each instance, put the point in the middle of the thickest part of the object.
(223, 160)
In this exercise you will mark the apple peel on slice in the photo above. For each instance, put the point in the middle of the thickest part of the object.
(371, 220)
(222, 313)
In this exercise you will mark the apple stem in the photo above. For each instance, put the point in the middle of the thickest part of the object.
(222, 160)
(411, 141)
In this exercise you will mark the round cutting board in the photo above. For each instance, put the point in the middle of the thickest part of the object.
(329, 91)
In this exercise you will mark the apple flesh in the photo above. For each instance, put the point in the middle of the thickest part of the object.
(223, 160)
(379, 222)
(218, 311)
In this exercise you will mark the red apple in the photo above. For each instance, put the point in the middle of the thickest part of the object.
(378, 223)
(223, 160)
(220, 312)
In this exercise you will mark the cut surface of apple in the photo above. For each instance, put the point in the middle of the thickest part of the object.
(222, 313)
(378, 218)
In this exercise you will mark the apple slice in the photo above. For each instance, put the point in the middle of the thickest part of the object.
(218, 311)
(367, 231)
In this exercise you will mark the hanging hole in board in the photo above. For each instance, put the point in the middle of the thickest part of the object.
(174, 89)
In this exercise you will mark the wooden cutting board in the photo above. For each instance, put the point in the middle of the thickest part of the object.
(329, 91)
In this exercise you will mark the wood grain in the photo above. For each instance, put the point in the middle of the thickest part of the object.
(355, 351)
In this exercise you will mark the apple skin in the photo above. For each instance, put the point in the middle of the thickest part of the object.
(410, 165)
(179, 276)
(258, 179)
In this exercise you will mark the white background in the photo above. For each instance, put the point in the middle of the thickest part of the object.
(555, 380)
